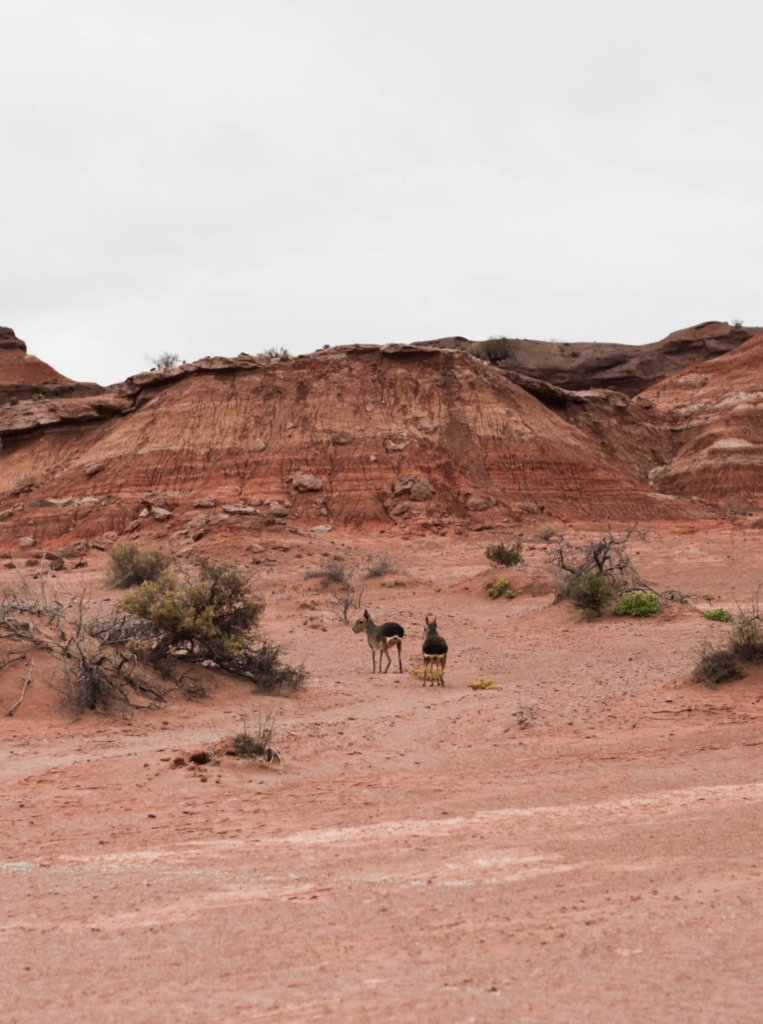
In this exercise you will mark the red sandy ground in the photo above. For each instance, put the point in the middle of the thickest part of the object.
(580, 846)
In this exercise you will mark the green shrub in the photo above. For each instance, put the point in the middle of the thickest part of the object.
(276, 352)
(500, 554)
(547, 531)
(131, 565)
(213, 620)
(716, 666)
(499, 588)
(493, 350)
(638, 604)
(591, 592)
(718, 615)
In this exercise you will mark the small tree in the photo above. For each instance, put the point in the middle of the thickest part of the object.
(493, 351)
(164, 361)
(607, 557)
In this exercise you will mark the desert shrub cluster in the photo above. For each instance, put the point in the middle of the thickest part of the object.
(503, 554)
(637, 603)
(499, 588)
(130, 565)
(718, 615)
(212, 620)
(591, 592)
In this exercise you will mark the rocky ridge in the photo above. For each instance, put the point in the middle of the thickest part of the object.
(396, 435)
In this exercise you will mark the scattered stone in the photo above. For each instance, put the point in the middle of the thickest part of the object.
(160, 514)
(343, 437)
(422, 490)
(321, 529)
(197, 522)
(205, 502)
(111, 536)
(402, 485)
(400, 508)
(306, 482)
(240, 510)
(259, 445)
(132, 526)
(372, 458)
(93, 468)
(395, 446)
(75, 549)
(478, 503)
(218, 519)
(26, 542)
(142, 514)
(6, 514)
(278, 510)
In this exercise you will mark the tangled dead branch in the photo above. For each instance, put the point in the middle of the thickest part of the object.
(606, 557)
(97, 670)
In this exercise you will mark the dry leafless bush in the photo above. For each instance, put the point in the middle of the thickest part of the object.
(715, 666)
(258, 744)
(383, 566)
(97, 669)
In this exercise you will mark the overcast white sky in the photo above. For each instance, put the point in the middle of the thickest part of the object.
(218, 177)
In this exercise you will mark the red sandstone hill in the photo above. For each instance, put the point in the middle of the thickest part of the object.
(349, 436)
(399, 435)
(716, 411)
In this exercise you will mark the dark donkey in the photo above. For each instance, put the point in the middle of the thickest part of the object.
(381, 638)
(435, 651)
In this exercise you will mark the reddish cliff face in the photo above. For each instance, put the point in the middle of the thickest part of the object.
(716, 412)
(349, 436)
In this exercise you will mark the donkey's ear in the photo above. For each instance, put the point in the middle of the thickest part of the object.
(426, 620)
(365, 614)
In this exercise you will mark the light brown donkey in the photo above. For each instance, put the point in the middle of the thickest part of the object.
(435, 651)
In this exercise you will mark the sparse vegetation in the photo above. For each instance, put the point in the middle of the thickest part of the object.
(383, 566)
(276, 352)
(546, 531)
(715, 666)
(746, 639)
(257, 745)
(638, 604)
(592, 592)
(718, 615)
(495, 349)
(212, 620)
(501, 554)
(131, 565)
(499, 588)
(164, 361)
(484, 684)
(332, 572)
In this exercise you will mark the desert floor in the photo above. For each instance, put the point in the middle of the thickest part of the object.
(582, 845)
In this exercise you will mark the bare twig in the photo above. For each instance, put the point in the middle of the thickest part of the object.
(27, 681)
